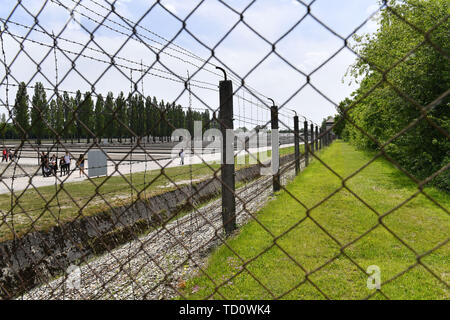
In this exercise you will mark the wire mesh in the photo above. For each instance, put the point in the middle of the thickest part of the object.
(138, 231)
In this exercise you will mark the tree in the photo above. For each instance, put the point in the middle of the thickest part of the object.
(132, 115)
(122, 114)
(109, 121)
(150, 121)
(140, 130)
(59, 117)
(99, 118)
(67, 116)
(206, 122)
(77, 107)
(51, 121)
(417, 71)
(86, 113)
(39, 112)
(20, 111)
(3, 126)
(156, 115)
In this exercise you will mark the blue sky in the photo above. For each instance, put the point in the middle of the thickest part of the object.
(306, 47)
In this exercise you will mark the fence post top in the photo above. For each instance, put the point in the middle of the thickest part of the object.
(224, 72)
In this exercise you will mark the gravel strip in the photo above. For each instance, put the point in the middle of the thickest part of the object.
(153, 266)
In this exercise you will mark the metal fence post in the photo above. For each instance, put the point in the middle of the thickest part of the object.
(312, 138)
(227, 170)
(296, 145)
(305, 133)
(275, 148)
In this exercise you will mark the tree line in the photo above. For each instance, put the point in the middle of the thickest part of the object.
(84, 116)
(403, 77)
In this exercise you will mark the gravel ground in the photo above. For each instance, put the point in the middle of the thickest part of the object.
(153, 266)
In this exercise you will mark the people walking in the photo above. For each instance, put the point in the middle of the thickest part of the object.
(62, 166)
(67, 160)
(54, 165)
(4, 155)
(181, 154)
(80, 164)
(44, 160)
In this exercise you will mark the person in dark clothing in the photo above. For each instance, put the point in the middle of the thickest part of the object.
(11, 155)
(80, 164)
(62, 166)
(43, 162)
(54, 165)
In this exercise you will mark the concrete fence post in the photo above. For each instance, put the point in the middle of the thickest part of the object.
(297, 145)
(228, 168)
(321, 139)
(275, 149)
(317, 138)
(305, 133)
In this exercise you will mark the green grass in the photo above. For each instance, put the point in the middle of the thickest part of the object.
(419, 223)
(38, 209)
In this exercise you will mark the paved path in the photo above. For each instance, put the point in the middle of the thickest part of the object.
(23, 179)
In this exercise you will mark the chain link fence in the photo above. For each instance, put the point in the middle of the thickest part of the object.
(179, 180)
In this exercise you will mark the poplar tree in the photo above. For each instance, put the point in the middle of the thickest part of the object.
(99, 118)
(59, 117)
(3, 126)
(109, 123)
(21, 117)
(67, 116)
(122, 114)
(77, 113)
(39, 112)
(86, 116)
(148, 117)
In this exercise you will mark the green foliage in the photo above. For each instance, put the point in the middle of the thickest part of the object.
(21, 116)
(39, 112)
(416, 75)
(112, 118)
(86, 116)
(77, 107)
(3, 126)
(99, 117)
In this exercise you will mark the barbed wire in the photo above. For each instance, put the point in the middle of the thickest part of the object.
(179, 237)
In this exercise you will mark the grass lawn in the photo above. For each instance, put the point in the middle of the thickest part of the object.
(31, 214)
(419, 223)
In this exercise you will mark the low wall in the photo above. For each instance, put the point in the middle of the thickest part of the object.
(39, 256)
